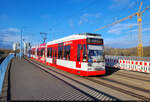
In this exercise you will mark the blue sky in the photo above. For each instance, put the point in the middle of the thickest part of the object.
(60, 18)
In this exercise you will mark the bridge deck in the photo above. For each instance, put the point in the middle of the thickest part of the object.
(31, 83)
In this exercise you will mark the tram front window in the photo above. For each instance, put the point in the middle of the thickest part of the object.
(95, 53)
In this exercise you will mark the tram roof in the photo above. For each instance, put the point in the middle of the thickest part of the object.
(75, 37)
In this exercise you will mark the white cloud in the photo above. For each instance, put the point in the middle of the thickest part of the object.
(127, 41)
(91, 15)
(71, 24)
(9, 31)
(120, 28)
(11, 38)
(145, 39)
(132, 4)
(13, 30)
(143, 30)
(120, 3)
(146, 29)
(121, 42)
(85, 17)
(80, 22)
(10, 35)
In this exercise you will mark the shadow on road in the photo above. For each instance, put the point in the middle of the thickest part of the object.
(109, 71)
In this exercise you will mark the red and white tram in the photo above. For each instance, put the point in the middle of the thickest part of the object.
(81, 54)
(33, 53)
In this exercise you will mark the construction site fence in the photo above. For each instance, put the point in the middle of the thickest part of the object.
(140, 64)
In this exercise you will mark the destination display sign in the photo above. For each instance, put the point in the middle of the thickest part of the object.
(95, 47)
(95, 40)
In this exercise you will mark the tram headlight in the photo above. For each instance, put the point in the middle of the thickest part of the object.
(90, 60)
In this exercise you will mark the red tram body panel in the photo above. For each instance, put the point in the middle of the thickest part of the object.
(41, 53)
(80, 54)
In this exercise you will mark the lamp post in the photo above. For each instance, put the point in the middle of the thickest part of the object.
(44, 35)
(24, 48)
(21, 44)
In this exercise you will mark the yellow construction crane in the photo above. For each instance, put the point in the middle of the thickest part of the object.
(139, 21)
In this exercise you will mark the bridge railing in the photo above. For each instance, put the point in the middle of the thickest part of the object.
(3, 68)
(141, 64)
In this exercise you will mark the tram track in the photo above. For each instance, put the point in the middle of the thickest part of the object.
(147, 79)
(124, 84)
(124, 75)
(92, 93)
(107, 85)
(119, 89)
(133, 82)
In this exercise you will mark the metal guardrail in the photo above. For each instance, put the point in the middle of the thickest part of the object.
(3, 67)
(2, 56)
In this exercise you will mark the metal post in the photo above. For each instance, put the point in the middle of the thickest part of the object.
(21, 45)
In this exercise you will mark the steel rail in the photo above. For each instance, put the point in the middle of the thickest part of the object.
(118, 89)
(129, 76)
(85, 85)
(102, 83)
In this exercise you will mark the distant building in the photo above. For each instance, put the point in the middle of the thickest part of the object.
(16, 46)
(26, 47)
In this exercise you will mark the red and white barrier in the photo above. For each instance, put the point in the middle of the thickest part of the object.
(133, 65)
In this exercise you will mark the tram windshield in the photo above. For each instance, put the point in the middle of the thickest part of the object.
(95, 53)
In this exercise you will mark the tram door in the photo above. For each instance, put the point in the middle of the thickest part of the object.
(54, 55)
(79, 56)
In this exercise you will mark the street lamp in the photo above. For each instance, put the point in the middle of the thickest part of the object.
(44, 36)
(21, 44)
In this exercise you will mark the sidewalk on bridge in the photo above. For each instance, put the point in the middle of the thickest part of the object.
(28, 82)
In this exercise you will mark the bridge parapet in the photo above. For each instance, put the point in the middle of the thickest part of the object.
(3, 67)
(141, 64)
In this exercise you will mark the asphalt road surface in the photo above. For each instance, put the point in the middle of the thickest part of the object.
(31, 83)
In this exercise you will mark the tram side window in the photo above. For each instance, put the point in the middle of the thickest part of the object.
(84, 53)
(60, 52)
(48, 52)
(42, 51)
(38, 52)
(67, 52)
(78, 52)
(33, 52)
